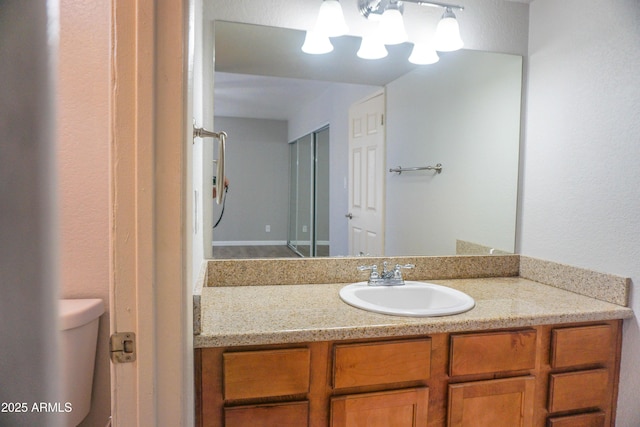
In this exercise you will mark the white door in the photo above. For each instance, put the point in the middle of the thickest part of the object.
(366, 176)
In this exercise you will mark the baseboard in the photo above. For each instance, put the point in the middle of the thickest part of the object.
(250, 243)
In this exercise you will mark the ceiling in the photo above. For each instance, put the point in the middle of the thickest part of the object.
(263, 97)
(262, 73)
(271, 51)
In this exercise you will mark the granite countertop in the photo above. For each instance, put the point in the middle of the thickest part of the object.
(253, 315)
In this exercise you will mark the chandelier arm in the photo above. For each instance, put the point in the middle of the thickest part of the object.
(435, 4)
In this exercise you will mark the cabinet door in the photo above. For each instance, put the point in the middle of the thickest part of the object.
(505, 402)
(398, 408)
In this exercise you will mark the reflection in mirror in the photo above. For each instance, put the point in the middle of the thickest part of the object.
(309, 194)
(463, 112)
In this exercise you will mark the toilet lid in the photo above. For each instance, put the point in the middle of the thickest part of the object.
(77, 312)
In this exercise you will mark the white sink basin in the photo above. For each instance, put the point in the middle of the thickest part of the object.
(417, 299)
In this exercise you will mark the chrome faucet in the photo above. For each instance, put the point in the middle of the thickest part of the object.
(389, 277)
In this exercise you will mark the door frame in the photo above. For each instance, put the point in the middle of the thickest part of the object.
(148, 265)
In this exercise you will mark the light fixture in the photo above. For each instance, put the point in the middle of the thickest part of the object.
(392, 25)
(316, 43)
(330, 20)
(448, 33)
(372, 47)
(423, 53)
(388, 16)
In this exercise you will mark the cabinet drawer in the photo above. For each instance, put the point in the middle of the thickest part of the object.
(381, 363)
(594, 419)
(492, 352)
(580, 346)
(396, 408)
(252, 374)
(294, 414)
(578, 390)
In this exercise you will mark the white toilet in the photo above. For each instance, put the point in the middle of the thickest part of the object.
(78, 324)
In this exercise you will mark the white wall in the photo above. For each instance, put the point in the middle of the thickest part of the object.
(463, 112)
(83, 103)
(257, 165)
(581, 181)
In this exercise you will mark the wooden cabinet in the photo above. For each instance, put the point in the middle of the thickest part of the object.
(583, 374)
(592, 419)
(494, 402)
(381, 363)
(578, 390)
(483, 353)
(293, 414)
(540, 376)
(578, 346)
(396, 408)
(503, 402)
(265, 373)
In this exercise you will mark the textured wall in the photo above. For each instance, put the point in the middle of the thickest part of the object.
(581, 196)
(83, 170)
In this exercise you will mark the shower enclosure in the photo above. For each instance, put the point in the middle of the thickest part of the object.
(308, 233)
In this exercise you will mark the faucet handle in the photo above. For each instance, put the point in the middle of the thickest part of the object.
(374, 270)
(399, 266)
(397, 273)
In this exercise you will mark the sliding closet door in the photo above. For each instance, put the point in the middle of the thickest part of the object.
(292, 240)
(321, 225)
(305, 196)
(309, 194)
(301, 196)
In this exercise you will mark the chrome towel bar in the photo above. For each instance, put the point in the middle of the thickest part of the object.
(203, 133)
(400, 169)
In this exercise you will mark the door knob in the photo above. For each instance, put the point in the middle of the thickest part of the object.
(349, 215)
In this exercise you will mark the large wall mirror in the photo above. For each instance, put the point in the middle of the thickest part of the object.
(462, 112)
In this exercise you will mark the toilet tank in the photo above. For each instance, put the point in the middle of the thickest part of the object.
(78, 326)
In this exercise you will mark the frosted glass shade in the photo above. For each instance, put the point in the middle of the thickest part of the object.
(316, 44)
(423, 54)
(392, 26)
(447, 37)
(371, 48)
(331, 21)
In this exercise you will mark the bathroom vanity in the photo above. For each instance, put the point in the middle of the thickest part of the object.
(528, 354)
